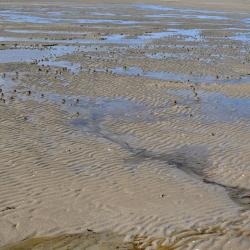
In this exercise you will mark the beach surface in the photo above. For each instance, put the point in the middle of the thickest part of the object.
(125, 125)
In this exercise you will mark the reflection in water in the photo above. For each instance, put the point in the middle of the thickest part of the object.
(172, 76)
(30, 54)
(22, 17)
(187, 35)
(188, 16)
(216, 106)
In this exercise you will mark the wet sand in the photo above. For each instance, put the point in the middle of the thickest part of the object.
(125, 125)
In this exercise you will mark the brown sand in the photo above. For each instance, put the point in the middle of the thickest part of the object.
(166, 177)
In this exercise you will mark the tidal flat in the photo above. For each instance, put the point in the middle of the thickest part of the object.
(124, 125)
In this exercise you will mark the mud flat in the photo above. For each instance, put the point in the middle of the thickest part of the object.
(124, 125)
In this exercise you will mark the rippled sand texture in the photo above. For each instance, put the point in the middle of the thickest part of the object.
(125, 125)
(90, 240)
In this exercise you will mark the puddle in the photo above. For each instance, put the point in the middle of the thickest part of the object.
(21, 55)
(171, 76)
(8, 81)
(175, 9)
(20, 17)
(45, 32)
(153, 7)
(182, 34)
(101, 14)
(29, 55)
(136, 71)
(181, 16)
(187, 35)
(45, 57)
(111, 21)
(246, 20)
(157, 11)
(95, 110)
(215, 106)
(242, 37)
(107, 14)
